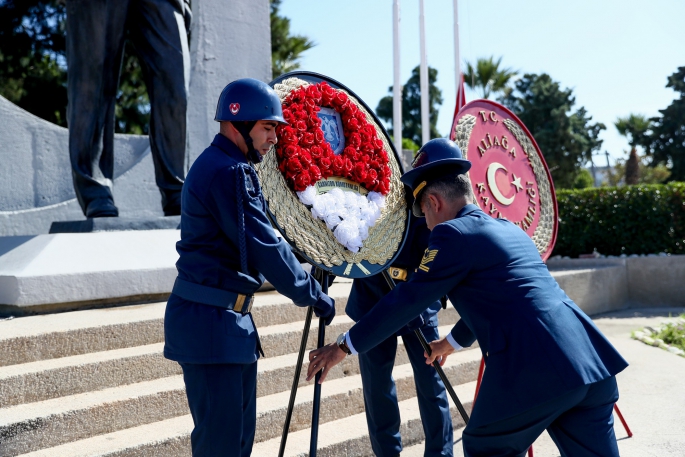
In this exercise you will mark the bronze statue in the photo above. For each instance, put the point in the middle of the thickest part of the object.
(96, 33)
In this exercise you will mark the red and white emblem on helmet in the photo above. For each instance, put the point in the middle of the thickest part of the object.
(234, 107)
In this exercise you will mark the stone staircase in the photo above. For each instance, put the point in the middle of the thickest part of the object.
(95, 383)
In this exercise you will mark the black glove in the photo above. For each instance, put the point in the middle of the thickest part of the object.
(325, 307)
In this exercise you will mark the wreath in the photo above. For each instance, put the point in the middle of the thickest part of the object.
(305, 157)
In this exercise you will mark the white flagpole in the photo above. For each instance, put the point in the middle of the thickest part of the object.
(397, 85)
(425, 122)
(457, 61)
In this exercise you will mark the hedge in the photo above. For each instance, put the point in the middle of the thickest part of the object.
(641, 219)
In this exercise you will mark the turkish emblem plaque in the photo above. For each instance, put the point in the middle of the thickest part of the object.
(509, 175)
(332, 182)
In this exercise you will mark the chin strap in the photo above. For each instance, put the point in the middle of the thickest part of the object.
(245, 127)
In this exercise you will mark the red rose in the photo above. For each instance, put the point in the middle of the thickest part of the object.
(338, 164)
(367, 148)
(301, 126)
(374, 164)
(355, 140)
(307, 139)
(348, 166)
(318, 136)
(288, 116)
(314, 121)
(373, 175)
(360, 172)
(353, 124)
(325, 163)
(306, 159)
(316, 152)
(302, 181)
(315, 173)
(298, 95)
(301, 114)
(350, 152)
(327, 93)
(313, 93)
(294, 165)
(288, 136)
(291, 150)
(365, 158)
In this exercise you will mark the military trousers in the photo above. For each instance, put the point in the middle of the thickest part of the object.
(96, 33)
(380, 397)
(580, 423)
(223, 402)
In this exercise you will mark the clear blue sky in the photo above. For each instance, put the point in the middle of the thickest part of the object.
(615, 55)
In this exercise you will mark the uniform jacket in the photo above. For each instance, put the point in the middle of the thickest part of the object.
(537, 343)
(367, 292)
(209, 254)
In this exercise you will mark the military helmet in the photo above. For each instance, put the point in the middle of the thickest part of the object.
(248, 99)
(436, 159)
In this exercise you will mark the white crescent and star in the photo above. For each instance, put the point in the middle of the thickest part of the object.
(492, 184)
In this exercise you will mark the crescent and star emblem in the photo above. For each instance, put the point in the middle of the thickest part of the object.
(492, 184)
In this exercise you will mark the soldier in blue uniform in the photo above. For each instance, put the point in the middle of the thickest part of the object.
(547, 364)
(375, 365)
(227, 249)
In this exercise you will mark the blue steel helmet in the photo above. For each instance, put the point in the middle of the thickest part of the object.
(244, 102)
(248, 99)
(436, 159)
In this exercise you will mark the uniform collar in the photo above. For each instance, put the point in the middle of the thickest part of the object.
(229, 148)
(468, 209)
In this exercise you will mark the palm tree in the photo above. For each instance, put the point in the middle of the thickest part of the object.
(634, 128)
(488, 76)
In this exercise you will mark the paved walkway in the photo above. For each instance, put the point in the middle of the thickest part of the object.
(652, 391)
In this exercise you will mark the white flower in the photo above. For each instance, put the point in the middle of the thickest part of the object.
(308, 195)
(347, 233)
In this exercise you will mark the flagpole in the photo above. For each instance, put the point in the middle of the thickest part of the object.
(397, 85)
(425, 123)
(457, 60)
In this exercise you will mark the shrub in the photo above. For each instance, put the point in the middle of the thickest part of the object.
(642, 219)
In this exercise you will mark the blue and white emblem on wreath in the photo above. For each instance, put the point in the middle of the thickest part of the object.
(331, 124)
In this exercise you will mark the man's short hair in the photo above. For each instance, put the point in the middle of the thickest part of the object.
(450, 187)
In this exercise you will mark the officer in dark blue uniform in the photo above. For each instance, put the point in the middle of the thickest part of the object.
(375, 365)
(547, 364)
(227, 249)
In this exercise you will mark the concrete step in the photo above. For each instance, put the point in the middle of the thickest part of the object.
(45, 379)
(33, 338)
(53, 378)
(34, 426)
(347, 436)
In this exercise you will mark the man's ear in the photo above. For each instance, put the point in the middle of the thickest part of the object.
(434, 202)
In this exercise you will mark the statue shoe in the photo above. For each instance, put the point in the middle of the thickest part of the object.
(102, 207)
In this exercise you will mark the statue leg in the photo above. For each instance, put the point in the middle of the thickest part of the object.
(159, 36)
(95, 43)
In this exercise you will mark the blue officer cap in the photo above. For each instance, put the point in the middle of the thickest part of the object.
(436, 159)
(249, 99)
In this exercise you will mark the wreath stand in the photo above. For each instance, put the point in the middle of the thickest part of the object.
(530, 449)
(322, 276)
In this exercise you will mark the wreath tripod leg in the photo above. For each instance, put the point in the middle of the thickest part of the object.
(316, 404)
(436, 364)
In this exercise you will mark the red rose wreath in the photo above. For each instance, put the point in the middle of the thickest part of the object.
(305, 157)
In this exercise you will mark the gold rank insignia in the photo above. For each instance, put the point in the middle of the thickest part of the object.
(428, 257)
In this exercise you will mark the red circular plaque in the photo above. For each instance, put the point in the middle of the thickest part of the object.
(509, 175)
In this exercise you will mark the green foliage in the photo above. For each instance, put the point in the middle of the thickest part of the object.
(648, 173)
(488, 76)
(32, 43)
(33, 72)
(634, 127)
(566, 139)
(643, 219)
(285, 48)
(411, 106)
(666, 144)
(584, 179)
(673, 333)
(409, 144)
